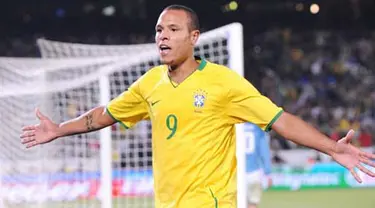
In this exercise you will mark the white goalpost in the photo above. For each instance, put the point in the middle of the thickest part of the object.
(108, 168)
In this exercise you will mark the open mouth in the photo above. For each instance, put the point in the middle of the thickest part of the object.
(164, 49)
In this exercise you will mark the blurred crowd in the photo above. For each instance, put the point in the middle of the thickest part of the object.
(326, 78)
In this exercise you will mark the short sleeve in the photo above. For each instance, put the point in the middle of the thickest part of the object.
(246, 104)
(129, 107)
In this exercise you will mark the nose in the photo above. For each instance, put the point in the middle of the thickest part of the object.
(164, 35)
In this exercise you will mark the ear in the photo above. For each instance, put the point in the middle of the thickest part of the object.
(194, 35)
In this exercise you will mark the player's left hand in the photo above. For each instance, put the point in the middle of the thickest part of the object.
(352, 157)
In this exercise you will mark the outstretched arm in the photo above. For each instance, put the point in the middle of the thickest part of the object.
(92, 120)
(47, 131)
(128, 108)
(294, 129)
(343, 152)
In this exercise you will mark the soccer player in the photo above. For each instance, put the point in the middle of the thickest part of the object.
(193, 106)
(258, 162)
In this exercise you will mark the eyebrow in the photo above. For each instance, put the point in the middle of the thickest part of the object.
(170, 25)
(173, 25)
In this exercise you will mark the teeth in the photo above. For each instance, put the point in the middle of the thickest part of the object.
(164, 47)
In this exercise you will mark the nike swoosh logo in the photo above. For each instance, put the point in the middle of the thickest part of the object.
(153, 103)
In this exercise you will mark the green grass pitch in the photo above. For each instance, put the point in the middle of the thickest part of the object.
(324, 198)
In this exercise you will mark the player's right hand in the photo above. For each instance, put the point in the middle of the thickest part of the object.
(44, 132)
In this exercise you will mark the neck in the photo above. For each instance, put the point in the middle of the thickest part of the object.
(180, 72)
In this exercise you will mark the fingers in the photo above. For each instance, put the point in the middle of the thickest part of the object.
(28, 137)
(367, 161)
(355, 175)
(29, 128)
(30, 141)
(365, 170)
(349, 136)
(27, 134)
(31, 144)
(367, 155)
(39, 114)
(27, 140)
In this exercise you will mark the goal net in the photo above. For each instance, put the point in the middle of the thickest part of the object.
(108, 168)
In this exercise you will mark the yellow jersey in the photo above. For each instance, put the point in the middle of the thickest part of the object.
(193, 131)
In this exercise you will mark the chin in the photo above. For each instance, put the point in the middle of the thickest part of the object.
(166, 61)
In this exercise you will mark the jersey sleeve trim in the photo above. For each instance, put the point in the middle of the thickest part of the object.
(110, 114)
(269, 126)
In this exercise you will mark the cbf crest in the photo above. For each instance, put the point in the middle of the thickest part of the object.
(200, 97)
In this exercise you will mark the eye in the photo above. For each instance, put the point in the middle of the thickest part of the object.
(158, 30)
(174, 29)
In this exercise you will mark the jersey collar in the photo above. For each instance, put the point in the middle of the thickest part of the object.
(202, 63)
